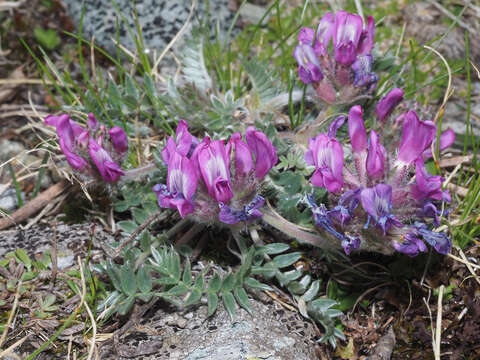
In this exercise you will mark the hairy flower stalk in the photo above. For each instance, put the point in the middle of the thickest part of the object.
(93, 150)
(213, 181)
(385, 198)
(345, 73)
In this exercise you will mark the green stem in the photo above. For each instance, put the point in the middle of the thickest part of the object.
(294, 231)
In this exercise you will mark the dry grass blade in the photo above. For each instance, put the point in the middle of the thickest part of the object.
(468, 264)
(12, 314)
(8, 351)
(438, 330)
(175, 38)
(89, 312)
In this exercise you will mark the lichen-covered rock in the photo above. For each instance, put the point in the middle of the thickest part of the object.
(71, 240)
(272, 333)
(159, 20)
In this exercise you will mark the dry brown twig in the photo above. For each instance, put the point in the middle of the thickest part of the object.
(34, 205)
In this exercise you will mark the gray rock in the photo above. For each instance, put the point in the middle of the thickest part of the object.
(160, 20)
(272, 333)
(9, 149)
(72, 240)
(8, 198)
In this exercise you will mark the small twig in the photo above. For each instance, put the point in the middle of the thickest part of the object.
(459, 190)
(34, 205)
(12, 314)
(54, 256)
(464, 261)
(438, 333)
(448, 14)
(358, 5)
(365, 293)
(138, 230)
(176, 37)
(468, 264)
(89, 312)
(13, 346)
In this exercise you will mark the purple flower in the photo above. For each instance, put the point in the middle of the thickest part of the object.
(322, 220)
(363, 74)
(263, 149)
(427, 186)
(92, 123)
(213, 162)
(376, 157)
(309, 69)
(411, 244)
(119, 139)
(356, 129)
(377, 202)
(181, 185)
(242, 155)
(185, 142)
(249, 212)
(346, 36)
(388, 103)
(109, 170)
(429, 210)
(365, 44)
(325, 30)
(335, 125)
(68, 132)
(326, 154)
(417, 136)
(447, 138)
(440, 241)
(347, 204)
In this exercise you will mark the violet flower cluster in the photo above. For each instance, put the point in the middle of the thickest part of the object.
(92, 150)
(211, 180)
(347, 72)
(382, 198)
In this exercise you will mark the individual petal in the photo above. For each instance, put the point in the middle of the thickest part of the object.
(377, 202)
(264, 151)
(322, 220)
(417, 136)
(388, 103)
(376, 157)
(426, 186)
(363, 74)
(119, 139)
(447, 138)
(169, 149)
(325, 31)
(306, 35)
(348, 28)
(242, 155)
(327, 154)
(350, 243)
(92, 123)
(109, 170)
(66, 141)
(439, 240)
(184, 139)
(335, 125)
(213, 162)
(182, 176)
(365, 44)
(309, 68)
(411, 245)
(356, 129)
(249, 213)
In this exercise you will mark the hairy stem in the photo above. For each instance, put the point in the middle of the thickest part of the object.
(294, 231)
